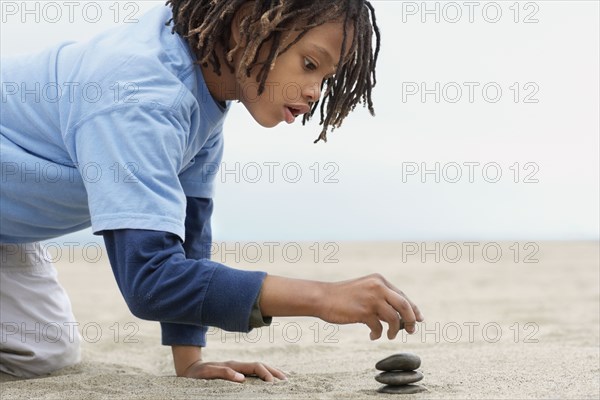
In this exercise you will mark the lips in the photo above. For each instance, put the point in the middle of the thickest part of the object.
(291, 111)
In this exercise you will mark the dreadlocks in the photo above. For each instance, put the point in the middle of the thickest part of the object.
(206, 24)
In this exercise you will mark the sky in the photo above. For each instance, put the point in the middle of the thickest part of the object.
(486, 128)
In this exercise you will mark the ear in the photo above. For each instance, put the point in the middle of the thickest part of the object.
(243, 12)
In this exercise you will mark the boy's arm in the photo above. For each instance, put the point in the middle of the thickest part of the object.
(186, 340)
(159, 283)
(198, 237)
(368, 300)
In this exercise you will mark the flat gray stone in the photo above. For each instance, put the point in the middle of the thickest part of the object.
(399, 362)
(399, 377)
(406, 389)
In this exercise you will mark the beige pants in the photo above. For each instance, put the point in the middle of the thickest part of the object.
(38, 329)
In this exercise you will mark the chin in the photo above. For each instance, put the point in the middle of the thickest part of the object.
(263, 116)
(267, 122)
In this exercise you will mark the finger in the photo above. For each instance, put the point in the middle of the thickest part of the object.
(376, 328)
(257, 369)
(419, 315)
(403, 307)
(263, 373)
(389, 315)
(220, 372)
(277, 373)
(416, 310)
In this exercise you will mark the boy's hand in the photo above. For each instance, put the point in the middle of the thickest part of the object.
(369, 300)
(188, 364)
(234, 371)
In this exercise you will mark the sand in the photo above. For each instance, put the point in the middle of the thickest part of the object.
(548, 312)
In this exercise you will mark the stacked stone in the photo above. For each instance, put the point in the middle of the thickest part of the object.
(399, 374)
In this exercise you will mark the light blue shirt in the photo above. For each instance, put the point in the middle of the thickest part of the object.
(113, 133)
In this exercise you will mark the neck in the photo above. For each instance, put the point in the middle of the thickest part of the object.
(221, 87)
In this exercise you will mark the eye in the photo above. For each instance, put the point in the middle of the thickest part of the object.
(309, 65)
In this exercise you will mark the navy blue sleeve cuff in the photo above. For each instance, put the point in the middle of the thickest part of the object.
(231, 292)
(183, 335)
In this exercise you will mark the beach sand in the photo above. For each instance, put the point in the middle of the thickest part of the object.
(495, 328)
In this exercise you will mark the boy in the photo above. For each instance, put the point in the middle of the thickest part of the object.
(130, 160)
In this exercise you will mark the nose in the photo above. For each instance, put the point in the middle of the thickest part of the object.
(312, 92)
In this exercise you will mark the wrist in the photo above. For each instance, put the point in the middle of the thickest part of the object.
(184, 357)
(286, 297)
(319, 300)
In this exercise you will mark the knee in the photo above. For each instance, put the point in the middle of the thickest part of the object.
(64, 353)
(42, 359)
(60, 354)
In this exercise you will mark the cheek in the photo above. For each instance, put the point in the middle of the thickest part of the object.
(248, 90)
(292, 92)
(285, 88)
(287, 69)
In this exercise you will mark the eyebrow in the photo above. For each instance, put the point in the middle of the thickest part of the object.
(327, 54)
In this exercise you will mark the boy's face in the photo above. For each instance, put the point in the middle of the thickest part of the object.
(296, 79)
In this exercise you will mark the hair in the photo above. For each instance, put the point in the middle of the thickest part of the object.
(207, 23)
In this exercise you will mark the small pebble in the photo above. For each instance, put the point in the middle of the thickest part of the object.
(399, 362)
(406, 389)
(399, 377)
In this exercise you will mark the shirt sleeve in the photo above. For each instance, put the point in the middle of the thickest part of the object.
(159, 283)
(197, 245)
(199, 177)
(129, 158)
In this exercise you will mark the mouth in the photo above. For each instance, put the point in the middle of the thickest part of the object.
(292, 111)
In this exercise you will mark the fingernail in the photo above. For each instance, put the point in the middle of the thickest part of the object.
(239, 377)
